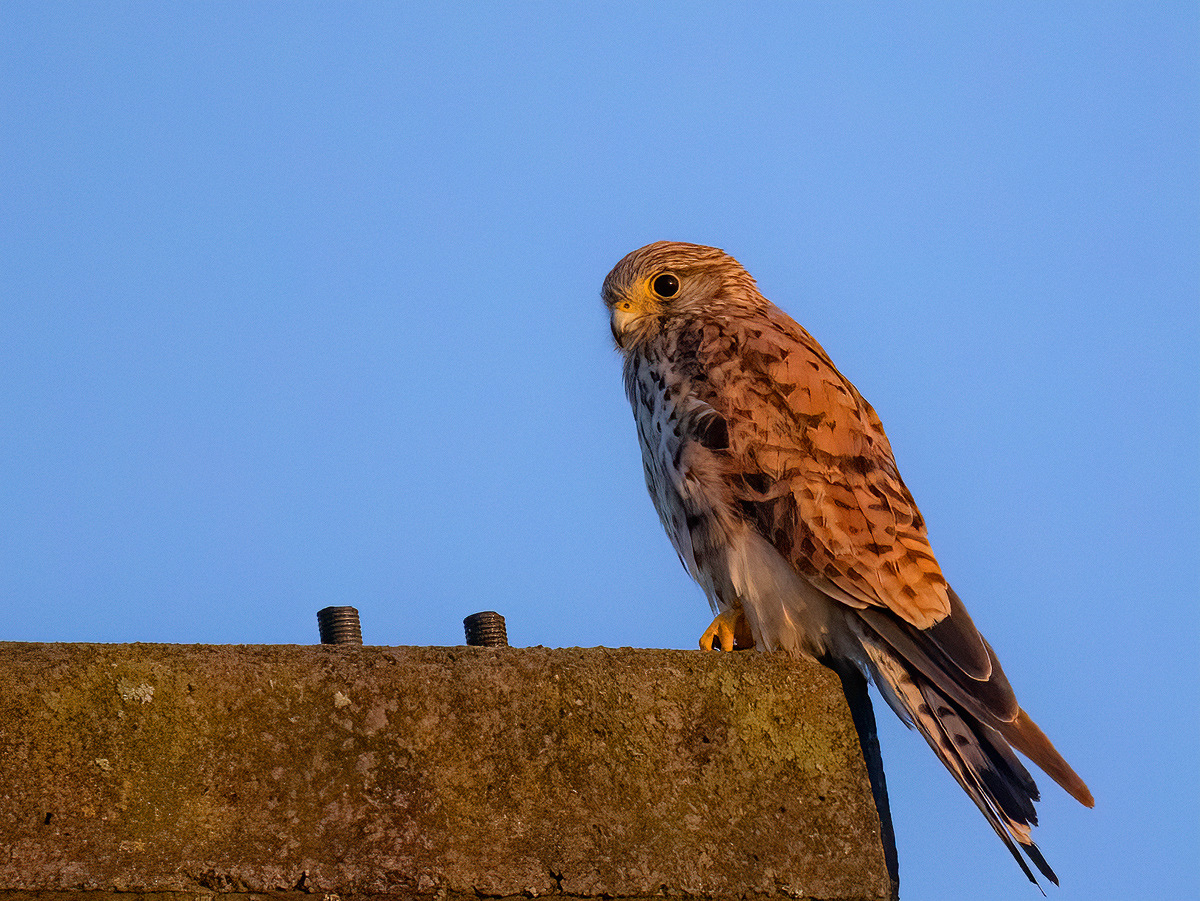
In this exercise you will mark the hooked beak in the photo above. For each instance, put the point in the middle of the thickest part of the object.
(623, 316)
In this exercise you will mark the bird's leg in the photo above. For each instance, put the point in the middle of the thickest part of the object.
(729, 630)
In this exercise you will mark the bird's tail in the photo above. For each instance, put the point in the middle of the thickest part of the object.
(977, 755)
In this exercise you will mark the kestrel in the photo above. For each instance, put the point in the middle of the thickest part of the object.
(778, 488)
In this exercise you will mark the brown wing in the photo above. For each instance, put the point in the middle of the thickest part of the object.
(812, 468)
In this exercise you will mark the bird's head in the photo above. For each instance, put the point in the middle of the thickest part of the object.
(668, 280)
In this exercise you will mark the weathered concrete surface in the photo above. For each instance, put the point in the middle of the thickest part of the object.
(429, 771)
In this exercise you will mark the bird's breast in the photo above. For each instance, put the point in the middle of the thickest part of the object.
(658, 399)
(683, 476)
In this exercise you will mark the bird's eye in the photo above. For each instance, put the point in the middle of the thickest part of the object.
(665, 285)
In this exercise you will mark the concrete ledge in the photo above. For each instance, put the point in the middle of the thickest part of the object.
(423, 772)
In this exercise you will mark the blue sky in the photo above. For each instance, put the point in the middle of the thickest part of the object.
(299, 306)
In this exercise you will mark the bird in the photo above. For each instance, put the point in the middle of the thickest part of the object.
(779, 490)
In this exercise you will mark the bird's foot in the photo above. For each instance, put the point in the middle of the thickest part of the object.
(728, 631)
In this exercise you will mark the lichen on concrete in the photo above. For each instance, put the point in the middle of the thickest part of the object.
(430, 772)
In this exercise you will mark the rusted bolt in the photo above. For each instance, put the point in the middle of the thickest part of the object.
(486, 630)
(339, 625)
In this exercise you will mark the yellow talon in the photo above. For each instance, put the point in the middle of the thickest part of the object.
(729, 630)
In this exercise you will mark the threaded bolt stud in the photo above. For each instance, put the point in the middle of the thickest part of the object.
(486, 630)
(339, 625)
